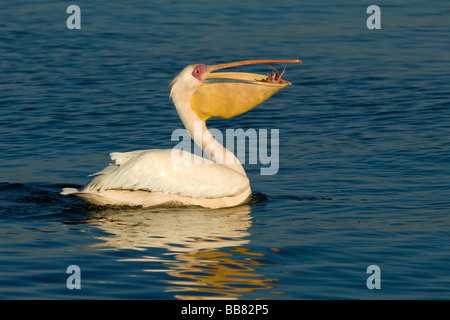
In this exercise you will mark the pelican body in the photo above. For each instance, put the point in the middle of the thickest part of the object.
(152, 177)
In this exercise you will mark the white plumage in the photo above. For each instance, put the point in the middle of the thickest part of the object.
(155, 171)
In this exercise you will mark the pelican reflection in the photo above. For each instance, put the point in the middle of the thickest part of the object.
(192, 238)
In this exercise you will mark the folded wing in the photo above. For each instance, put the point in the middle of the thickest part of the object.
(180, 173)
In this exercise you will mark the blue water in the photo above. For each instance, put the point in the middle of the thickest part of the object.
(364, 151)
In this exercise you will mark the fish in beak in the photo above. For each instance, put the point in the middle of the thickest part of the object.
(229, 94)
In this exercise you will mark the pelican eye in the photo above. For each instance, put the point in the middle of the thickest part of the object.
(199, 71)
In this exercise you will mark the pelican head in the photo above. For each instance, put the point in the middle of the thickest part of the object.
(224, 94)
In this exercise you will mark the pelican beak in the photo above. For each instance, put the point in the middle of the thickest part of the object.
(229, 94)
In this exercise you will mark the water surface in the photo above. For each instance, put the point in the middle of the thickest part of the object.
(364, 151)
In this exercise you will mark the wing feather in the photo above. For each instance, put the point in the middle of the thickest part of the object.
(154, 170)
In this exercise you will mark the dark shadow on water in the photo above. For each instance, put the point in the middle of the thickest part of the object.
(300, 198)
(33, 194)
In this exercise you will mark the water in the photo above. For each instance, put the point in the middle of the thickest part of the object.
(364, 151)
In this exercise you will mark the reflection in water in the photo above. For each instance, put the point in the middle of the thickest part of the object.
(192, 237)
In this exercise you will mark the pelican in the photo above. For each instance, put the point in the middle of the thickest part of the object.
(152, 177)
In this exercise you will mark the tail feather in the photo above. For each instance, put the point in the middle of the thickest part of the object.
(68, 191)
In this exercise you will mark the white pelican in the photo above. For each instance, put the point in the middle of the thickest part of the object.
(151, 177)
